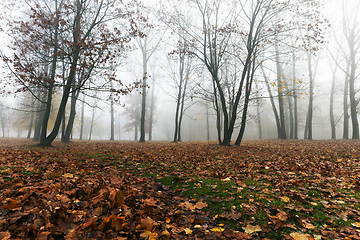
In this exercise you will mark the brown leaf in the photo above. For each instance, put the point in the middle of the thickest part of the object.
(11, 204)
(231, 215)
(43, 235)
(306, 224)
(147, 224)
(201, 205)
(5, 235)
(150, 201)
(282, 215)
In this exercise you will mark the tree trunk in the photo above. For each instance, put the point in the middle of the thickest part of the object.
(249, 81)
(352, 78)
(39, 118)
(30, 125)
(272, 101)
(345, 103)
(69, 127)
(258, 102)
(207, 123)
(309, 118)
(280, 96)
(82, 118)
(295, 97)
(291, 115)
(152, 110)
(178, 99)
(218, 114)
(332, 94)
(46, 141)
(112, 119)
(143, 99)
(92, 121)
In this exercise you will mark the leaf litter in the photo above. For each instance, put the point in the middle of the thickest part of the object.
(190, 190)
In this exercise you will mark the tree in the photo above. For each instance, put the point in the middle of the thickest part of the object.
(351, 32)
(243, 32)
(83, 27)
(181, 76)
(148, 44)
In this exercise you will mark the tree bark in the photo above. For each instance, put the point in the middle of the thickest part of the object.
(352, 92)
(30, 125)
(280, 95)
(272, 101)
(332, 94)
(345, 104)
(82, 118)
(69, 126)
(308, 128)
(151, 111)
(143, 99)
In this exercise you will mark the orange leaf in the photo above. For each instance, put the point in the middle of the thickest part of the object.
(201, 205)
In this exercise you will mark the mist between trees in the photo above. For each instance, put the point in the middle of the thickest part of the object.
(176, 70)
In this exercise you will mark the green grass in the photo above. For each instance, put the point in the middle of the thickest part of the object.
(233, 197)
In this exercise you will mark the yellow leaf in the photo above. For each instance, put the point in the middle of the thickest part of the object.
(188, 231)
(249, 229)
(285, 199)
(226, 179)
(356, 224)
(165, 233)
(217, 229)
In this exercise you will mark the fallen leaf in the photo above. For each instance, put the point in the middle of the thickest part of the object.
(201, 205)
(356, 224)
(147, 224)
(249, 229)
(5, 235)
(282, 216)
(300, 236)
(68, 175)
(285, 199)
(188, 231)
(217, 229)
(306, 224)
(165, 233)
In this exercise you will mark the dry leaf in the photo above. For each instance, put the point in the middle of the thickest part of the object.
(249, 229)
(201, 205)
(306, 224)
(300, 236)
(147, 224)
(285, 199)
(217, 229)
(5, 235)
(188, 231)
(68, 175)
(356, 224)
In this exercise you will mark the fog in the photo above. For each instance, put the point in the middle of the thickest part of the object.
(332, 59)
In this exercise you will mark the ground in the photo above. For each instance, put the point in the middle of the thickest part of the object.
(268, 189)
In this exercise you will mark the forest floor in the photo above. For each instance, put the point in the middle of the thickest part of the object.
(267, 189)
